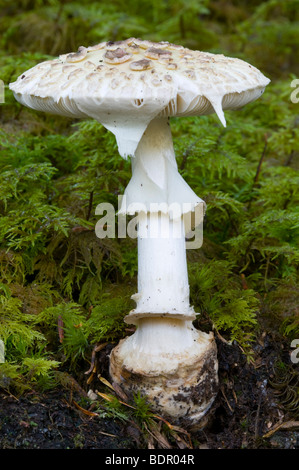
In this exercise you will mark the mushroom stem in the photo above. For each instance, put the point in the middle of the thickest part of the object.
(157, 338)
(163, 287)
(173, 365)
(163, 201)
(156, 185)
(166, 359)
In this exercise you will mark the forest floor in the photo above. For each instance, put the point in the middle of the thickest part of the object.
(251, 411)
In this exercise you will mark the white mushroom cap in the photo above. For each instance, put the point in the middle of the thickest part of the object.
(125, 84)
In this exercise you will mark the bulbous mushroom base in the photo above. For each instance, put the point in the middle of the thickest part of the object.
(181, 387)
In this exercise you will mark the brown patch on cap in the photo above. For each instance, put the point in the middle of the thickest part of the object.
(175, 47)
(89, 65)
(190, 74)
(134, 48)
(172, 66)
(68, 68)
(186, 56)
(117, 56)
(92, 75)
(114, 83)
(96, 47)
(143, 64)
(77, 56)
(75, 73)
(144, 44)
(114, 43)
(157, 53)
(164, 60)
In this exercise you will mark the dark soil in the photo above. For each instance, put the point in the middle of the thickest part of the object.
(248, 406)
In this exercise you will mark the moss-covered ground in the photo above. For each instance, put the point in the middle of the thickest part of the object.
(64, 292)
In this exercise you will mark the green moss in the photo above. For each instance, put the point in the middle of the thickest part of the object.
(62, 289)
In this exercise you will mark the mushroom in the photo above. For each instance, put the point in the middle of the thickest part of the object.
(135, 87)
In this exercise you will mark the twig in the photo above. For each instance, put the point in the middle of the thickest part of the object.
(96, 349)
(107, 434)
(256, 433)
(226, 400)
(258, 170)
(10, 394)
(244, 283)
(221, 338)
(288, 425)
